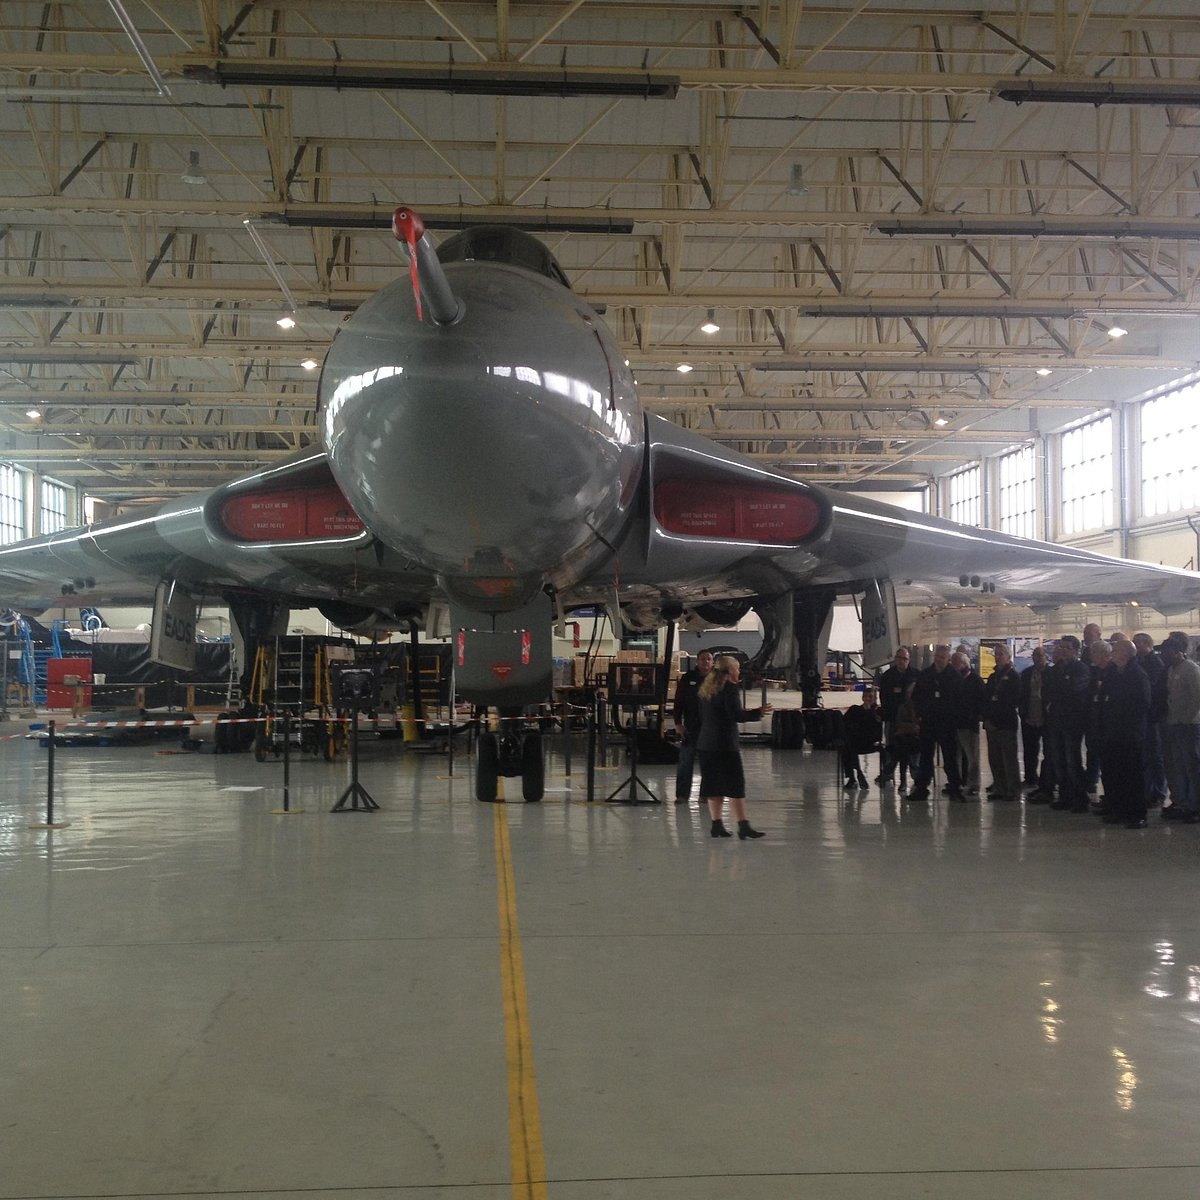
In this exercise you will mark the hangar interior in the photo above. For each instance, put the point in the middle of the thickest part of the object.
(919, 251)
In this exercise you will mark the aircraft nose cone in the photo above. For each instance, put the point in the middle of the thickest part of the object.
(477, 467)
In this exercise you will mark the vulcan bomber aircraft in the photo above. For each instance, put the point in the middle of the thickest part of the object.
(482, 451)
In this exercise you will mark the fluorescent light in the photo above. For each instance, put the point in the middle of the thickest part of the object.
(310, 364)
(287, 321)
(684, 368)
(1116, 331)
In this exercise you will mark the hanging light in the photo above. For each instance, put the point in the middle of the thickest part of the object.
(286, 321)
(194, 173)
(1115, 331)
(710, 326)
(310, 364)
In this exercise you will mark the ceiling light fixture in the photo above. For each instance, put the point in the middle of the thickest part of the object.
(940, 421)
(34, 414)
(286, 321)
(796, 184)
(477, 79)
(684, 368)
(1079, 225)
(1094, 91)
(1044, 371)
(194, 175)
(1115, 331)
(710, 326)
(310, 364)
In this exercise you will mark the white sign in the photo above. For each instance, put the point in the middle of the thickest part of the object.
(880, 624)
(173, 627)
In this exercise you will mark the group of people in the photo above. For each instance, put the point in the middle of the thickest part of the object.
(1118, 711)
(708, 709)
(1121, 712)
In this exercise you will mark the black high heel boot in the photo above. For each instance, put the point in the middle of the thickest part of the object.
(719, 830)
(744, 831)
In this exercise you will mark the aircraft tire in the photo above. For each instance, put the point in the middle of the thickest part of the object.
(487, 768)
(533, 768)
(796, 729)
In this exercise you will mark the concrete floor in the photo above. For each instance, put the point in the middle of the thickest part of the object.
(571, 1000)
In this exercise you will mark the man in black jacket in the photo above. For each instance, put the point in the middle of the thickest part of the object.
(1066, 719)
(894, 684)
(937, 695)
(687, 722)
(1150, 663)
(1001, 698)
(1123, 714)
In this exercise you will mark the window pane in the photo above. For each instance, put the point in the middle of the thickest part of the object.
(12, 504)
(1170, 425)
(965, 494)
(1018, 512)
(1087, 476)
(54, 507)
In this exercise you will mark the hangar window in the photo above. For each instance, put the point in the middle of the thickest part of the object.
(1087, 476)
(966, 492)
(53, 507)
(12, 504)
(1018, 495)
(1170, 472)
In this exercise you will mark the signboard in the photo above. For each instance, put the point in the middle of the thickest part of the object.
(173, 627)
(880, 624)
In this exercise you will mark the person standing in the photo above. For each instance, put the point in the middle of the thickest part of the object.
(1181, 730)
(1001, 700)
(894, 685)
(687, 722)
(937, 695)
(970, 713)
(1150, 663)
(721, 773)
(1033, 718)
(1093, 737)
(1124, 709)
(1066, 718)
(861, 730)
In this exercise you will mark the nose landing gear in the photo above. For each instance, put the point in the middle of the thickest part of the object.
(512, 753)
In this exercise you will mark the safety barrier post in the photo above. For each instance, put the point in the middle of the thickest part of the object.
(286, 810)
(50, 823)
(591, 745)
(566, 728)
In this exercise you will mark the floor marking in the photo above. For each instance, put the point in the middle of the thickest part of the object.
(524, 1116)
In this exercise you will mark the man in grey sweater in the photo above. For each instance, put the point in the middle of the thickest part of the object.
(1181, 730)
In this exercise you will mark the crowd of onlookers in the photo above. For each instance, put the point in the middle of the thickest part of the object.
(1118, 712)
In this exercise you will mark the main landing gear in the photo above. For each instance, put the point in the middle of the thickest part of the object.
(513, 752)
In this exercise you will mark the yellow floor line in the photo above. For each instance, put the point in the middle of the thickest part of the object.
(524, 1115)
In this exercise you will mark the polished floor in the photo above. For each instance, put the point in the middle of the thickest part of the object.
(204, 997)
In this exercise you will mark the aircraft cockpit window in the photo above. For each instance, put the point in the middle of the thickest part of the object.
(499, 243)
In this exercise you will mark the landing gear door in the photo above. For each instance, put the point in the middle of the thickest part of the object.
(880, 624)
(173, 627)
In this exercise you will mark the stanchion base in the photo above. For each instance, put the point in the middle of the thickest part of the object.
(286, 812)
(56, 825)
(355, 798)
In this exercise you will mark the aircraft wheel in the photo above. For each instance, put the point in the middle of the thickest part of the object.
(533, 768)
(487, 768)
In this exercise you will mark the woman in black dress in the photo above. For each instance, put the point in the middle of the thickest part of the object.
(721, 772)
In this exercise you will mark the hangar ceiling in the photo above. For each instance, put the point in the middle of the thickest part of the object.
(917, 226)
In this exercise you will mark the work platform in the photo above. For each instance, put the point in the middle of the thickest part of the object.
(449, 999)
